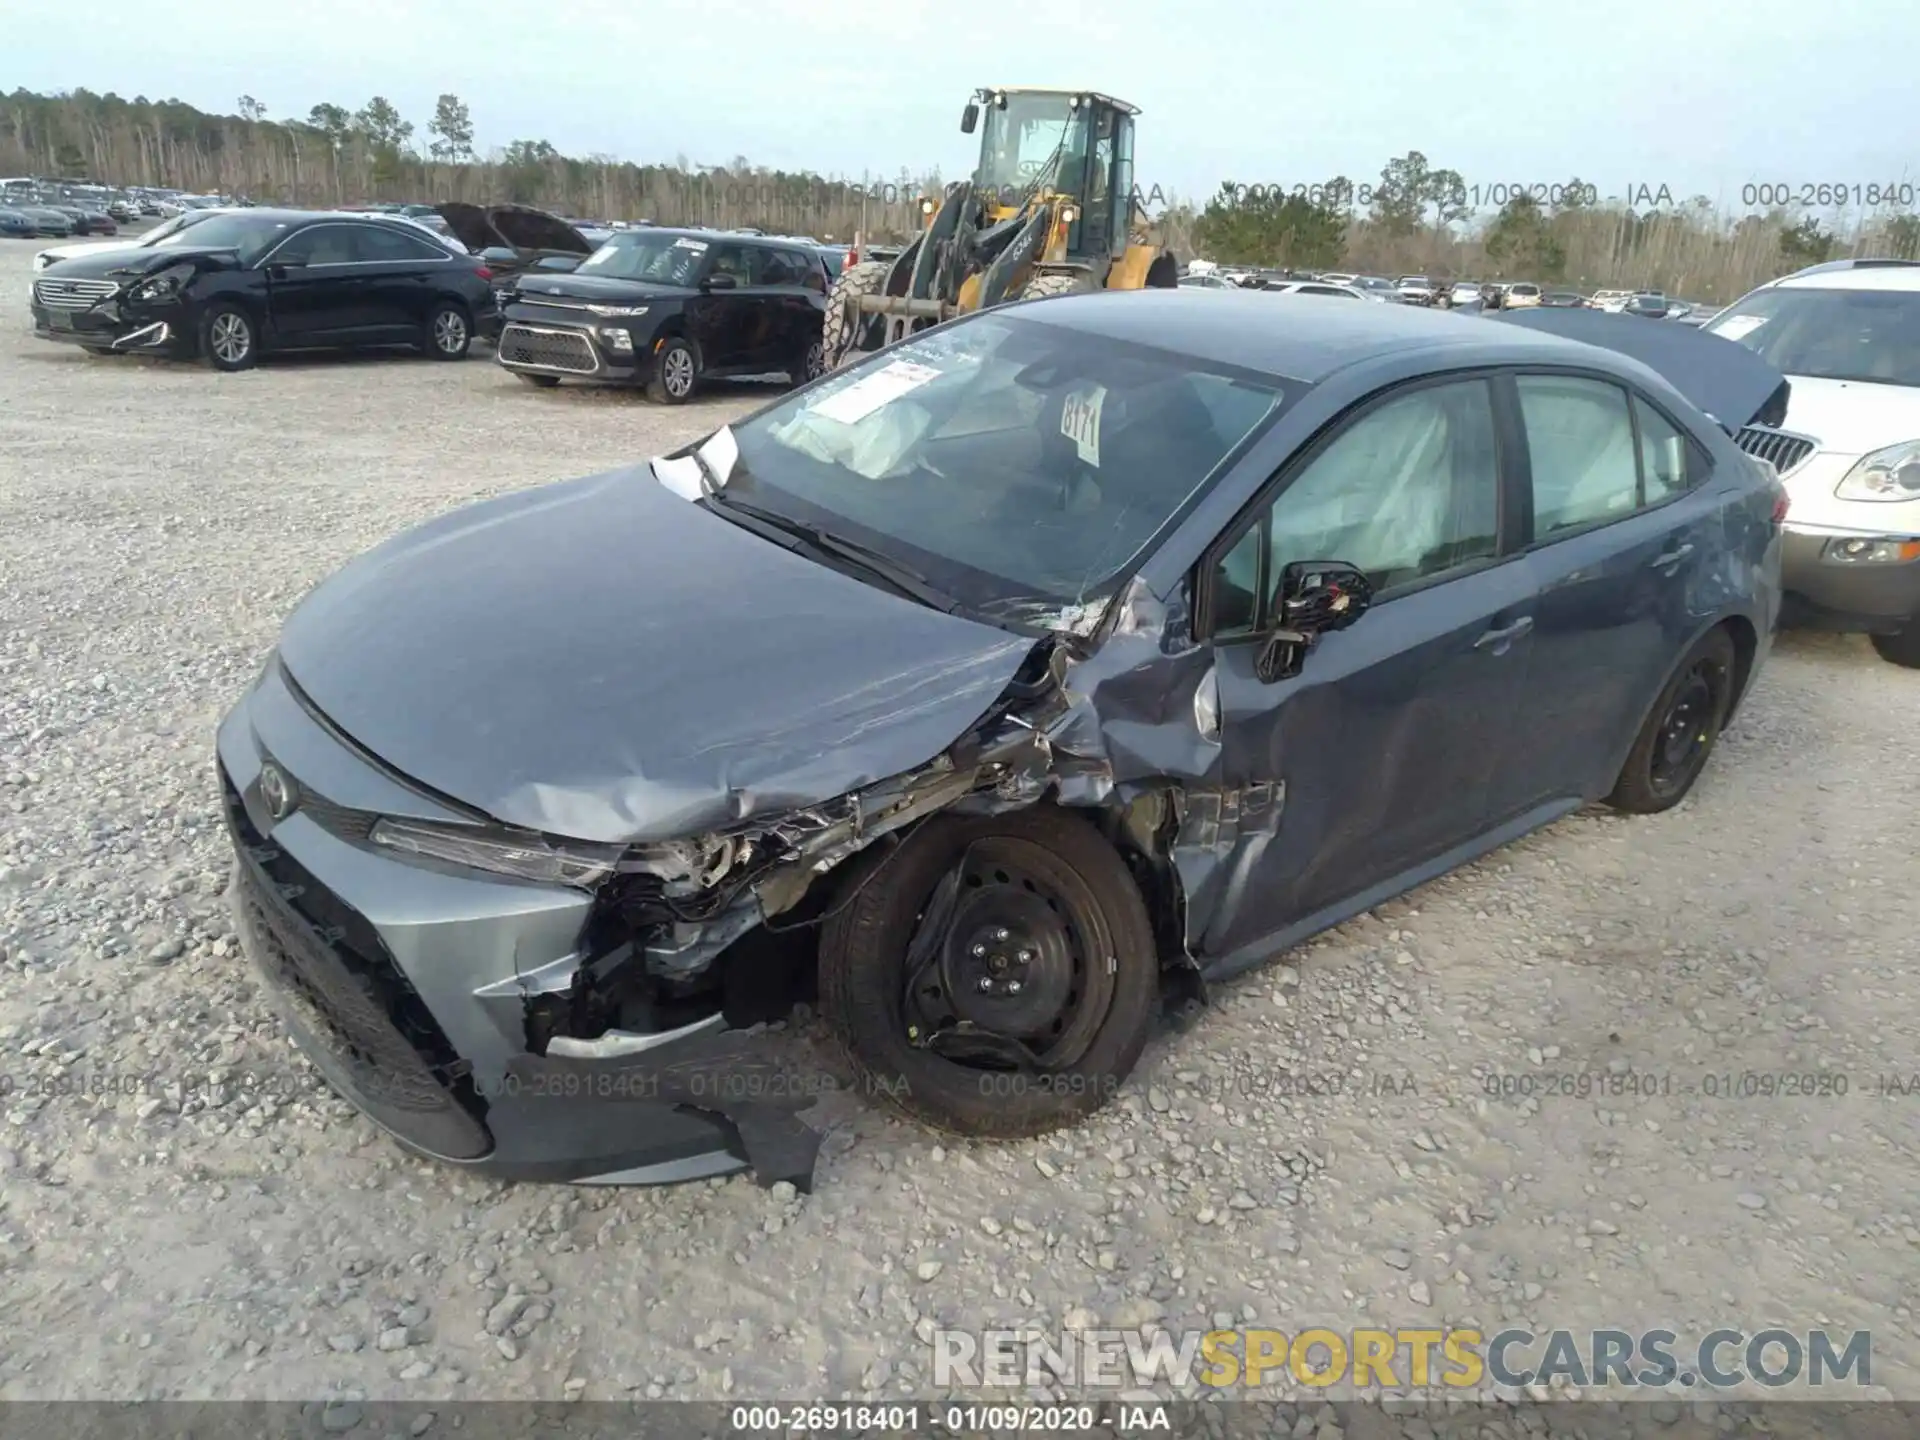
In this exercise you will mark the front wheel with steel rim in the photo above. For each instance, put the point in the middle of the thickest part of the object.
(448, 334)
(675, 369)
(227, 337)
(992, 976)
(1679, 732)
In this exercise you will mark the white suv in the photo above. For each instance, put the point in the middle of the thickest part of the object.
(1847, 337)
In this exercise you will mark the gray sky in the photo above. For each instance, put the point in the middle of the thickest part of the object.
(1698, 97)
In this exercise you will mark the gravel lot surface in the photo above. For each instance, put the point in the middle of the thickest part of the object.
(183, 1236)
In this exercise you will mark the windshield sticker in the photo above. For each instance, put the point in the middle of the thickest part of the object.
(1080, 421)
(860, 399)
(685, 244)
(1740, 326)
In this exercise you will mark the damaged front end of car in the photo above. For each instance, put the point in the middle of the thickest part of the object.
(695, 949)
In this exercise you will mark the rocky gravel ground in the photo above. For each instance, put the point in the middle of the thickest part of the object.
(1541, 1092)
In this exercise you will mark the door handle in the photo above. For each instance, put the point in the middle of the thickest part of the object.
(1505, 634)
(1672, 557)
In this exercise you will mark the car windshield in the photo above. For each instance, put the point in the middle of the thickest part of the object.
(665, 258)
(1021, 467)
(1866, 335)
(250, 235)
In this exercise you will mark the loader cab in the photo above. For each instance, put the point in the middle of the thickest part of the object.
(1075, 145)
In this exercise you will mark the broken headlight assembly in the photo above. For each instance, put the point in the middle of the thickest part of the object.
(164, 286)
(524, 856)
(682, 866)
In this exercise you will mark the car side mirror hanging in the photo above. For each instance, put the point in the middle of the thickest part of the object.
(1317, 597)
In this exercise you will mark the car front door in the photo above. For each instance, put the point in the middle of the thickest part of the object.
(1377, 757)
(317, 292)
(717, 317)
(1620, 542)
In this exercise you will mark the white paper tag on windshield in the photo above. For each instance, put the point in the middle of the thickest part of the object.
(685, 244)
(860, 399)
(1740, 326)
(1080, 422)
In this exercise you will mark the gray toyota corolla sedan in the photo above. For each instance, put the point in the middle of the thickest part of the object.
(999, 691)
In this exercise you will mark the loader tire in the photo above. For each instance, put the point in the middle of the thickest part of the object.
(1054, 283)
(842, 328)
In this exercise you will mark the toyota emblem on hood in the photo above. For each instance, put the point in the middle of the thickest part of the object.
(276, 790)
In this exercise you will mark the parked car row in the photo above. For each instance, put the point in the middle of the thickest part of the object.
(651, 307)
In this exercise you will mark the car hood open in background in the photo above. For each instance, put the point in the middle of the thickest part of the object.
(1721, 378)
(602, 660)
(518, 227)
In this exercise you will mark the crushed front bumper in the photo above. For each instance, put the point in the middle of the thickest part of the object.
(110, 327)
(406, 985)
(1827, 592)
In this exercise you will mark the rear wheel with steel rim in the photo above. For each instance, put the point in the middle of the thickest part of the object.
(676, 369)
(992, 976)
(228, 338)
(1679, 733)
(448, 333)
(811, 364)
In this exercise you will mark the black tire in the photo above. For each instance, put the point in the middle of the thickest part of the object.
(229, 338)
(1901, 648)
(1040, 287)
(542, 382)
(1680, 731)
(448, 333)
(1164, 272)
(842, 330)
(676, 372)
(1078, 920)
(103, 351)
(809, 364)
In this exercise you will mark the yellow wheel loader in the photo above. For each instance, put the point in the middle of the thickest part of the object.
(1049, 211)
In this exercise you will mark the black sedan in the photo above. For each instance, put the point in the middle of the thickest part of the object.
(247, 282)
(1047, 665)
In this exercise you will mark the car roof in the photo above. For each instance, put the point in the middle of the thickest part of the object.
(1317, 339)
(694, 232)
(1870, 277)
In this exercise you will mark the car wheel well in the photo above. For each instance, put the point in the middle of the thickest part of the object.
(1746, 645)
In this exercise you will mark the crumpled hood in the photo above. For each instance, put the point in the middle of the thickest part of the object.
(1851, 417)
(113, 262)
(596, 288)
(600, 659)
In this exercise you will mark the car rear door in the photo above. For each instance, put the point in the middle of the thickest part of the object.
(1378, 756)
(1621, 537)
(403, 280)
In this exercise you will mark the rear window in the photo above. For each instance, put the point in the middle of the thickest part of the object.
(1866, 335)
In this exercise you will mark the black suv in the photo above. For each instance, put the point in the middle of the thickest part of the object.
(244, 282)
(667, 308)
